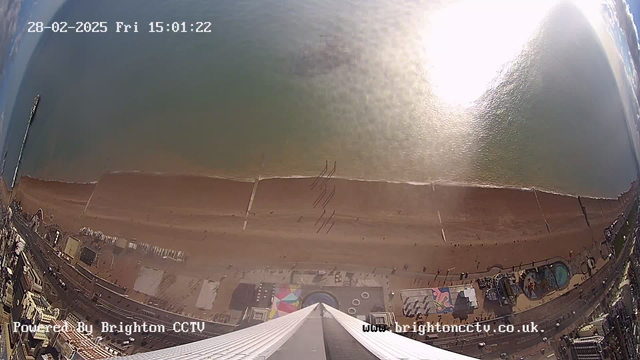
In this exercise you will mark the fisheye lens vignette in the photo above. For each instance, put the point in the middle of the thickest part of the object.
(319, 179)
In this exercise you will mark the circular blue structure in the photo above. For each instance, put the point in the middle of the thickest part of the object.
(562, 274)
(320, 297)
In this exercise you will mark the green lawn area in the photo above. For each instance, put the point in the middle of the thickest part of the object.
(618, 242)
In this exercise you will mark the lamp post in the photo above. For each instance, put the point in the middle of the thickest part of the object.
(445, 277)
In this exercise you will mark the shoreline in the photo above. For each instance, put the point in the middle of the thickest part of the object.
(118, 203)
(448, 183)
(366, 223)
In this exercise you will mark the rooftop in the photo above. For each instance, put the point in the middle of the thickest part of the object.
(588, 339)
(40, 301)
(84, 346)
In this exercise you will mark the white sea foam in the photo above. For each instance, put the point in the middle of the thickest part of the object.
(414, 183)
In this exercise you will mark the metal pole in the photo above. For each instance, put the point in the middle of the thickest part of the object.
(24, 141)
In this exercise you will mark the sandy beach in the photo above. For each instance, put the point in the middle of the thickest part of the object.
(366, 223)
(62, 203)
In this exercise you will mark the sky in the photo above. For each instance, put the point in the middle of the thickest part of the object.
(9, 10)
(634, 5)
(13, 17)
(16, 47)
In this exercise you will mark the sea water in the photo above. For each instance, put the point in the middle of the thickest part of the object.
(405, 91)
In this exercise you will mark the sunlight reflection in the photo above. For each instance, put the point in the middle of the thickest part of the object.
(468, 45)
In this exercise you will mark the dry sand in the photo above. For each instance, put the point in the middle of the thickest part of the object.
(62, 203)
(364, 223)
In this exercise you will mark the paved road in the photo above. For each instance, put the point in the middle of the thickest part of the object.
(546, 315)
(515, 342)
(76, 298)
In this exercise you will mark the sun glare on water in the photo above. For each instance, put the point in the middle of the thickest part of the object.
(468, 45)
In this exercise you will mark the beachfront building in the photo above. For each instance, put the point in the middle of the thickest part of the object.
(30, 279)
(623, 337)
(256, 316)
(36, 220)
(387, 319)
(71, 248)
(317, 332)
(7, 295)
(588, 348)
(599, 326)
(26, 280)
(460, 299)
(72, 344)
(36, 311)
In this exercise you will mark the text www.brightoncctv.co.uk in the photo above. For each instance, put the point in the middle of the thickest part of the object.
(427, 327)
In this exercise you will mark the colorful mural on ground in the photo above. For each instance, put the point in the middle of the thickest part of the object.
(442, 300)
(538, 282)
(286, 300)
(432, 300)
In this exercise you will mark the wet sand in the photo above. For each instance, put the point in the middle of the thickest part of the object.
(62, 203)
(291, 220)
